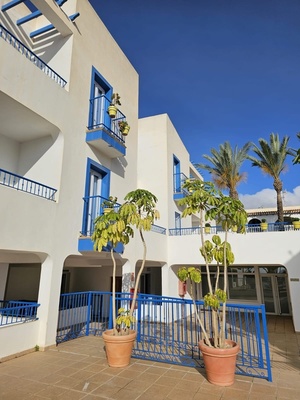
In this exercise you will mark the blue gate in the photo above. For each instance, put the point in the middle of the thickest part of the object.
(167, 330)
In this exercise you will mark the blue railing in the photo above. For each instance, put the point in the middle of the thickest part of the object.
(95, 206)
(16, 312)
(18, 182)
(178, 181)
(99, 118)
(21, 48)
(167, 330)
(272, 227)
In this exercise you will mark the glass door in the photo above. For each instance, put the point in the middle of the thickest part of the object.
(99, 105)
(275, 294)
(95, 200)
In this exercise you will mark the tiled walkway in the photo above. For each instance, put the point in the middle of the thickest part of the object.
(78, 370)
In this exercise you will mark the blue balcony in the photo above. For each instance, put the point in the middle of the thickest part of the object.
(93, 207)
(18, 182)
(31, 56)
(103, 132)
(178, 191)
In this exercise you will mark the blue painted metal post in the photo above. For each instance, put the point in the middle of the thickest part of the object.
(110, 319)
(265, 330)
(88, 317)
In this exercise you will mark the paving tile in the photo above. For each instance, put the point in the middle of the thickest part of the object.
(78, 370)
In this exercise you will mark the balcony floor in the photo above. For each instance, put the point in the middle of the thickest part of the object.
(78, 370)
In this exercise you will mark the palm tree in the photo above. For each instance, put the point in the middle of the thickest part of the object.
(225, 165)
(296, 153)
(271, 159)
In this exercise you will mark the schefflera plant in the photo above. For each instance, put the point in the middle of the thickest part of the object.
(138, 211)
(206, 201)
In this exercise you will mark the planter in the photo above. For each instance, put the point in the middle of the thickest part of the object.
(296, 224)
(118, 348)
(264, 226)
(125, 131)
(112, 111)
(220, 364)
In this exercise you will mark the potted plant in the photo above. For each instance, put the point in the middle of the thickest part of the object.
(207, 228)
(211, 204)
(115, 101)
(296, 223)
(109, 205)
(124, 127)
(264, 225)
(138, 211)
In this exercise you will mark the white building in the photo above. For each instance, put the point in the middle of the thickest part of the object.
(61, 155)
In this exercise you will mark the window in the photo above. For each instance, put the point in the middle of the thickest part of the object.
(176, 174)
(100, 95)
(96, 189)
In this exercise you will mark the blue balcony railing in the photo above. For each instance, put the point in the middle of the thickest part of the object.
(99, 119)
(16, 312)
(18, 182)
(179, 180)
(21, 48)
(272, 227)
(95, 206)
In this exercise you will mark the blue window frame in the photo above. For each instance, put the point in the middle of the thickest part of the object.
(97, 187)
(100, 95)
(176, 174)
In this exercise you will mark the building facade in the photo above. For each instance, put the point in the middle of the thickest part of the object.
(61, 155)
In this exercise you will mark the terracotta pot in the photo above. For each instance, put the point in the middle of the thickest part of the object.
(220, 364)
(118, 348)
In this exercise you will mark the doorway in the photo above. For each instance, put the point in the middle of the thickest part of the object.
(275, 293)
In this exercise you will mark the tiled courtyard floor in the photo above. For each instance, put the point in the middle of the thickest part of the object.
(78, 370)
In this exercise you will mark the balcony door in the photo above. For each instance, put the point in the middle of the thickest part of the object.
(96, 189)
(100, 95)
(99, 105)
(95, 199)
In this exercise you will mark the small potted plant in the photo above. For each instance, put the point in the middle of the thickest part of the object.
(264, 225)
(138, 211)
(109, 205)
(112, 109)
(124, 127)
(296, 223)
(211, 205)
(207, 228)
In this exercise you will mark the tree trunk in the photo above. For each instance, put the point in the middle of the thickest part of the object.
(278, 187)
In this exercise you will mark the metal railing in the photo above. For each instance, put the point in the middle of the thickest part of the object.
(18, 182)
(272, 227)
(95, 206)
(99, 118)
(178, 181)
(16, 312)
(31, 56)
(167, 330)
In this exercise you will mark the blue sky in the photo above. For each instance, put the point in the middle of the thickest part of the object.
(222, 70)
